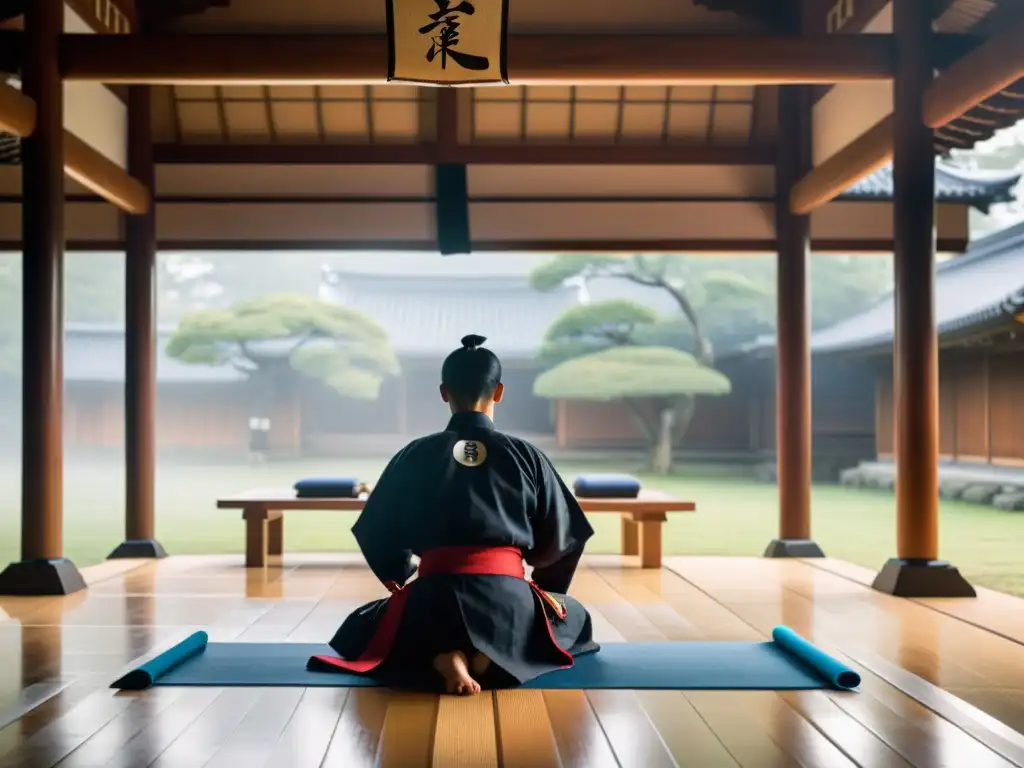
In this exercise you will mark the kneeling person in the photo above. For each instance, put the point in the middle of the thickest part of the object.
(472, 503)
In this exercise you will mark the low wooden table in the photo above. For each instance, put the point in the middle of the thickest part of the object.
(263, 511)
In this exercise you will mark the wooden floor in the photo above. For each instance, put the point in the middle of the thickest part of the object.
(943, 683)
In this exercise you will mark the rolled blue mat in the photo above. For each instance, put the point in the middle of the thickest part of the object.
(832, 670)
(606, 487)
(143, 677)
(327, 488)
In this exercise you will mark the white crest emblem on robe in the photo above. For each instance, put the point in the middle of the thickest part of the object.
(469, 453)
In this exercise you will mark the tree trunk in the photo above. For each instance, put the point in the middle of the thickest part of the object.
(261, 398)
(705, 351)
(661, 454)
(648, 429)
(685, 407)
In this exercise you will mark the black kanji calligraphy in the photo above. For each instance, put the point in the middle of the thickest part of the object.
(443, 30)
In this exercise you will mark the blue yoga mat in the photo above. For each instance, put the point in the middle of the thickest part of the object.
(788, 662)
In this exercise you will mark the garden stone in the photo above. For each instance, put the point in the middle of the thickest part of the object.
(885, 482)
(1009, 501)
(980, 493)
(952, 489)
(767, 473)
(851, 477)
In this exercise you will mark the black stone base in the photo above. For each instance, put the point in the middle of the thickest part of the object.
(41, 577)
(138, 549)
(922, 578)
(793, 548)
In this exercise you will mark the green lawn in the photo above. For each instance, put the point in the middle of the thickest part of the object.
(736, 516)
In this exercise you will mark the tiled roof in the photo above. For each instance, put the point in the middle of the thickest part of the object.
(94, 353)
(975, 188)
(428, 314)
(981, 288)
(979, 18)
(979, 189)
(425, 315)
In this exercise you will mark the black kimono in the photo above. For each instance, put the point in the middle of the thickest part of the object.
(474, 495)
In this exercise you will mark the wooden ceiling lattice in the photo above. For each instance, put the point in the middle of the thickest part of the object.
(613, 114)
(236, 114)
(400, 114)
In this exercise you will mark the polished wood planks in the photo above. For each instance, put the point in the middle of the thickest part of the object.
(938, 691)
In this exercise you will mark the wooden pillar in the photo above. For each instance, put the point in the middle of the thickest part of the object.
(793, 358)
(916, 572)
(42, 569)
(140, 351)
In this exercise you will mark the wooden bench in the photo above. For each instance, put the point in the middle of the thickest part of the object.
(263, 511)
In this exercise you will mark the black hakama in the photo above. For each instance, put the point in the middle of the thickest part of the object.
(473, 504)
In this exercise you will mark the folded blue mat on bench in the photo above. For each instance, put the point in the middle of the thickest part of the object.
(788, 662)
(327, 488)
(606, 487)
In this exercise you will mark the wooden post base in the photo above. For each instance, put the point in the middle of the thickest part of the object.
(41, 577)
(145, 548)
(922, 578)
(793, 548)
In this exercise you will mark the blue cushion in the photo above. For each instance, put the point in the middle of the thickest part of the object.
(606, 487)
(327, 488)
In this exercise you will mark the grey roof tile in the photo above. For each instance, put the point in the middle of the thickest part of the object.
(427, 315)
(983, 285)
(94, 353)
(979, 189)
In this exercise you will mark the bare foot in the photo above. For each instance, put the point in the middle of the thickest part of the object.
(453, 668)
(479, 664)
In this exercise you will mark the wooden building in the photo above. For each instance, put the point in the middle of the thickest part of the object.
(426, 304)
(661, 126)
(979, 311)
(742, 425)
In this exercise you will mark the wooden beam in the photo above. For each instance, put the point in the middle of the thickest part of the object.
(17, 112)
(985, 71)
(861, 157)
(94, 171)
(982, 73)
(880, 245)
(468, 154)
(81, 162)
(532, 59)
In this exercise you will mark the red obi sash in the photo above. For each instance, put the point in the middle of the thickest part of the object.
(475, 561)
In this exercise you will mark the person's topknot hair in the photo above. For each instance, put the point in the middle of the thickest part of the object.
(471, 373)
